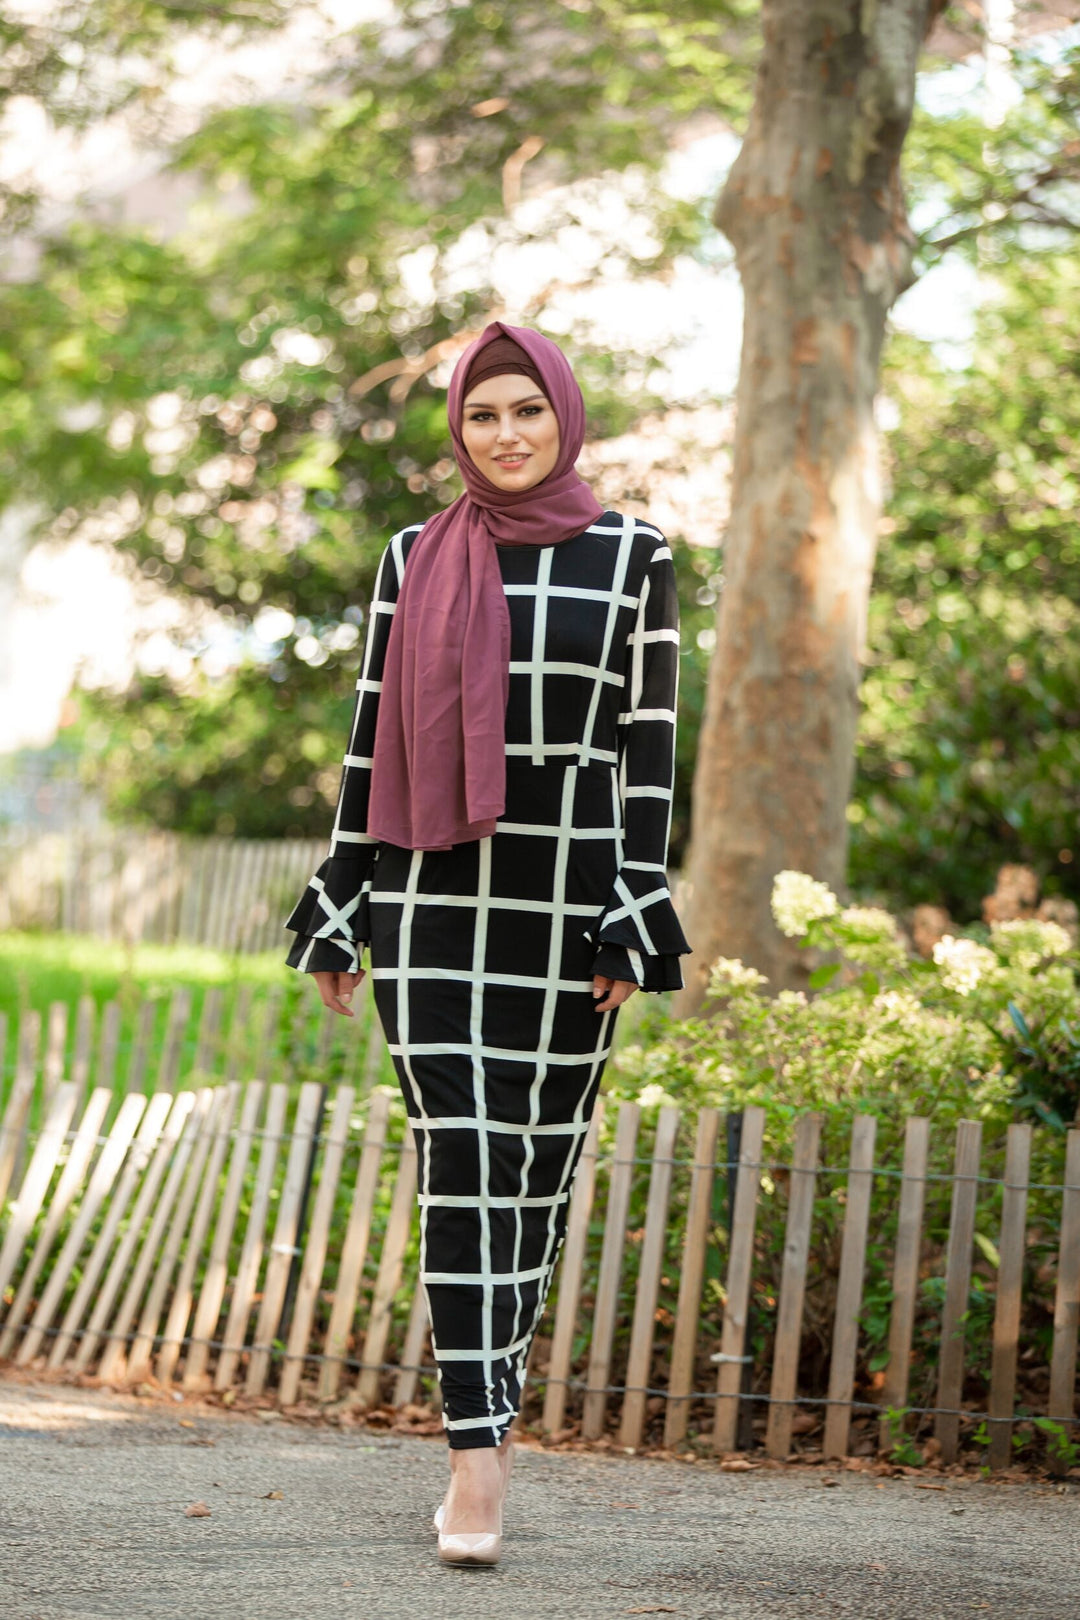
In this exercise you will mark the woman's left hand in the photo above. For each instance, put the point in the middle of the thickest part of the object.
(611, 993)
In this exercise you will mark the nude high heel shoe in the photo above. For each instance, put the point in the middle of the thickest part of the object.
(440, 1511)
(473, 1548)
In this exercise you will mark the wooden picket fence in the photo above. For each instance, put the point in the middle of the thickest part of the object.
(261, 1237)
(206, 1034)
(114, 883)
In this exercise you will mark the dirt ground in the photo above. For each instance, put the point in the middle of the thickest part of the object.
(308, 1522)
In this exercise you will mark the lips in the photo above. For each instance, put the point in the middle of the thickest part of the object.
(511, 461)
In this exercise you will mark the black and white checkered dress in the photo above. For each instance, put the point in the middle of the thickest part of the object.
(483, 955)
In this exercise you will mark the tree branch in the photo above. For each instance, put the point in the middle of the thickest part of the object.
(1063, 168)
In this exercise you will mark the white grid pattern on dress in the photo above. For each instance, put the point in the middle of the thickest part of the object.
(625, 699)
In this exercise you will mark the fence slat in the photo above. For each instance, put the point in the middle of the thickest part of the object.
(905, 1282)
(204, 1062)
(1061, 1405)
(55, 1045)
(111, 1157)
(183, 1289)
(173, 1044)
(691, 1277)
(570, 1276)
(71, 1179)
(22, 1091)
(216, 1276)
(388, 1280)
(957, 1284)
(108, 1045)
(1009, 1286)
(416, 1337)
(739, 1278)
(137, 1160)
(141, 1044)
(35, 1183)
(354, 1247)
(239, 1029)
(283, 1247)
(84, 1042)
(114, 1355)
(607, 1286)
(789, 1312)
(849, 1286)
(247, 1271)
(142, 1345)
(311, 1272)
(173, 1112)
(643, 1328)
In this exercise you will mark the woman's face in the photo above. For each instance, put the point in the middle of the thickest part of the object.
(510, 431)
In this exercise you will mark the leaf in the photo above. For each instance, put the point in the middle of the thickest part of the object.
(823, 975)
(197, 1510)
(1019, 1020)
(870, 984)
(989, 1249)
(274, 1496)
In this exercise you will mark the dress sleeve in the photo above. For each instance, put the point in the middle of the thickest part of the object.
(638, 935)
(331, 918)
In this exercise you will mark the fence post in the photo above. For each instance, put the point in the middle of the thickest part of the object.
(957, 1285)
(1061, 1406)
(905, 1274)
(793, 1285)
(691, 1277)
(1010, 1282)
(570, 1275)
(643, 1327)
(730, 1357)
(607, 1284)
(849, 1287)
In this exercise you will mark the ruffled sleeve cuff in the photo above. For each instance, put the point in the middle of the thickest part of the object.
(332, 919)
(638, 934)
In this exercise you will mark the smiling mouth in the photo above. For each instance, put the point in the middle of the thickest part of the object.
(511, 461)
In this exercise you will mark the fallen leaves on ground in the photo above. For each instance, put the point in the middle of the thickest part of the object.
(197, 1510)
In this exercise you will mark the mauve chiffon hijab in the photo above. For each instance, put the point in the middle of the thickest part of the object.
(439, 770)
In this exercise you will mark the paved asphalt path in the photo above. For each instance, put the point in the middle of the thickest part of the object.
(93, 1489)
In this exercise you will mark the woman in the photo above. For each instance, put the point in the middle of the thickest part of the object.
(500, 841)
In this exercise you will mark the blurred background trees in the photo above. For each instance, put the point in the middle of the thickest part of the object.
(247, 404)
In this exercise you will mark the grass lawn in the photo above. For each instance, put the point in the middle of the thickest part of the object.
(270, 1018)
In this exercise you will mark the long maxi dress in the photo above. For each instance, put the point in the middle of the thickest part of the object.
(483, 955)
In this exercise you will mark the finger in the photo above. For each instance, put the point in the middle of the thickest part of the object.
(335, 1004)
(601, 984)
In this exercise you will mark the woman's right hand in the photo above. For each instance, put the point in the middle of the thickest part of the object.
(336, 989)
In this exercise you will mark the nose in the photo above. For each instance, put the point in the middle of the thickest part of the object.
(507, 431)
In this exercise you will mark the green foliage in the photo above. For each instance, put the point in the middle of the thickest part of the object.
(969, 750)
(1062, 1450)
(233, 409)
(892, 1035)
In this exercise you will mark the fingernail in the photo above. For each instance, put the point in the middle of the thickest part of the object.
(346, 995)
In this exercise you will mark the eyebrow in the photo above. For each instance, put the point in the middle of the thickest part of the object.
(482, 404)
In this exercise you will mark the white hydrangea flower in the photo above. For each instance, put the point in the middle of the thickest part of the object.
(791, 998)
(798, 900)
(898, 1006)
(1025, 941)
(728, 973)
(654, 1096)
(962, 963)
(872, 922)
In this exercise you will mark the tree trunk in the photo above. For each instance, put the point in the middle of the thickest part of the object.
(814, 209)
